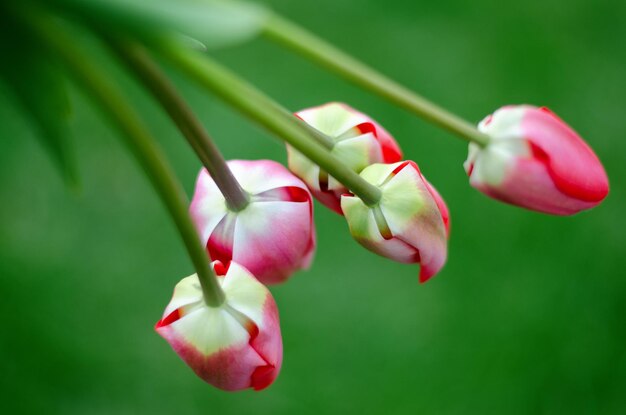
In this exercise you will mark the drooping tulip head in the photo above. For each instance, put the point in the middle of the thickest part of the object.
(358, 141)
(411, 222)
(273, 236)
(536, 161)
(234, 346)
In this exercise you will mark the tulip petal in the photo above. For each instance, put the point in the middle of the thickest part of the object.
(358, 141)
(273, 236)
(283, 194)
(273, 248)
(535, 160)
(220, 243)
(357, 153)
(364, 230)
(234, 346)
(257, 176)
(529, 185)
(441, 204)
(407, 206)
(408, 223)
(332, 119)
(576, 171)
(208, 206)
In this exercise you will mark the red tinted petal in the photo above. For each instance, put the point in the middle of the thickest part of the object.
(169, 319)
(470, 169)
(398, 169)
(403, 165)
(488, 120)
(220, 269)
(220, 243)
(571, 163)
(262, 377)
(263, 343)
(441, 204)
(287, 194)
(425, 274)
(366, 127)
(390, 148)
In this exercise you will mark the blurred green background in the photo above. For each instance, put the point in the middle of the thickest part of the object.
(528, 316)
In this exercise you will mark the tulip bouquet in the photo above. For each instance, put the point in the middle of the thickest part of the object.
(250, 222)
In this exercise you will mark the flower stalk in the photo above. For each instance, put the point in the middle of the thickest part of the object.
(262, 109)
(114, 105)
(294, 37)
(139, 61)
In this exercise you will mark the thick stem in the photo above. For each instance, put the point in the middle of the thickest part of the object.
(114, 105)
(309, 45)
(262, 109)
(139, 61)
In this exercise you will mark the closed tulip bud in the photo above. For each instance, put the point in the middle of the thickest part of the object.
(358, 141)
(536, 161)
(410, 224)
(273, 236)
(234, 346)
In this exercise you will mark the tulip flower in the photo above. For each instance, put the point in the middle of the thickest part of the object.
(357, 140)
(536, 161)
(273, 236)
(410, 224)
(234, 346)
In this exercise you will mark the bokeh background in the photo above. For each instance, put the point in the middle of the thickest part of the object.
(529, 315)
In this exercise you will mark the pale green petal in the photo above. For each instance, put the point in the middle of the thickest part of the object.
(358, 152)
(245, 293)
(493, 163)
(332, 119)
(212, 328)
(403, 198)
(378, 173)
(304, 168)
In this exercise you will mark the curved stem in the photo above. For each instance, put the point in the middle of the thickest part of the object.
(262, 109)
(148, 72)
(309, 45)
(115, 106)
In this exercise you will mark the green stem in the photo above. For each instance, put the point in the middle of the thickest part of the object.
(309, 45)
(139, 61)
(262, 109)
(112, 102)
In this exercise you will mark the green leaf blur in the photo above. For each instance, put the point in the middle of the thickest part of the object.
(215, 23)
(38, 87)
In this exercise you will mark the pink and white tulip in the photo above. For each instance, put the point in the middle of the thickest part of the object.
(358, 142)
(274, 236)
(536, 161)
(411, 222)
(234, 346)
